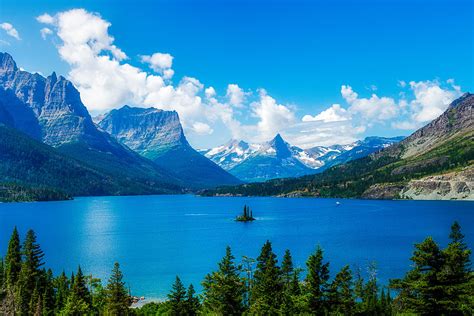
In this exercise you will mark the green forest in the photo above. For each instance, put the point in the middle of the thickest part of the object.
(440, 282)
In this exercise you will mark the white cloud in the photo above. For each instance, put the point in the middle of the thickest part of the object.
(333, 114)
(159, 62)
(202, 128)
(45, 19)
(10, 30)
(273, 117)
(431, 99)
(45, 32)
(235, 95)
(210, 92)
(319, 133)
(374, 108)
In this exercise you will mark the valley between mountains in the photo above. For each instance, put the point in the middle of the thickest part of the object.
(51, 148)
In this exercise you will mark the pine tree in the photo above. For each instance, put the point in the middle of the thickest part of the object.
(341, 292)
(224, 289)
(47, 297)
(317, 282)
(117, 298)
(456, 276)
(61, 283)
(421, 290)
(33, 255)
(79, 299)
(177, 298)
(13, 260)
(192, 302)
(287, 267)
(267, 291)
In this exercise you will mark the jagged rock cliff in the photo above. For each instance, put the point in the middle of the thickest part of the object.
(50, 110)
(158, 135)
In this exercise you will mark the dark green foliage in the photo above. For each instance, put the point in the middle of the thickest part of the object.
(317, 282)
(246, 215)
(117, 298)
(13, 259)
(268, 284)
(441, 281)
(177, 298)
(33, 171)
(192, 302)
(341, 292)
(224, 289)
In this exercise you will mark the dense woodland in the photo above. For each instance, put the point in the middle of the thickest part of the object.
(441, 282)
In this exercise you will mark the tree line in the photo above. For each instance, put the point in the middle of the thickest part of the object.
(440, 282)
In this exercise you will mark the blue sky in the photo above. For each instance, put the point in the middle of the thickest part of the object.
(407, 53)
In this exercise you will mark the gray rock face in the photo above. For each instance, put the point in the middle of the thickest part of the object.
(50, 110)
(158, 135)
(55, 103)
(149, 132)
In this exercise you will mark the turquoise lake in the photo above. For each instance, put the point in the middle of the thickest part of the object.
(156, 238)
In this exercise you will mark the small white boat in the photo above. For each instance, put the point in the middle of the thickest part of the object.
(337, 203)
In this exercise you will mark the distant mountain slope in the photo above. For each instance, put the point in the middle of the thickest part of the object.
(158, 135)
(278, 159)
(35, 166)
(443, 147)
(50, 110)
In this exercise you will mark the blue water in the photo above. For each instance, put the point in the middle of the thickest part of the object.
(156, 238)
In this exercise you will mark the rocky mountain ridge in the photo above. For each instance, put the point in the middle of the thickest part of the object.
(238, 156)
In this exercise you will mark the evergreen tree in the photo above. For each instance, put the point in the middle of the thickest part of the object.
(456, 276)
(287, 268)
(224, 289)
(267, 291)
(48, 294)
(79, 299)
(33, 255)
(192, 302)
(13, 259)
(317, 282)
(421, 290)
(117, 298)
(177, 298)
(61, 283)
(341, 292)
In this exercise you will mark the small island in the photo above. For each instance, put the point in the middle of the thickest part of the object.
(246, 215)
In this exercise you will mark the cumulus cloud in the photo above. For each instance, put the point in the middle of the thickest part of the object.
(45, 19)
(106, 79)
(45, 32)
(431, 99)
(160, 63)
(202, 128)
(273, 117)
(235, 95)
(333, 114)
(373, 108)
(10, 30)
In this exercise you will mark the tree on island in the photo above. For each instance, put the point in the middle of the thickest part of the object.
(246, 216)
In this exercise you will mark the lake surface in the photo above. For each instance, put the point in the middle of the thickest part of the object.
(156, 238)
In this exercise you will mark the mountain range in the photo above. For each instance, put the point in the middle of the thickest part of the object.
(158, 136)
(435, 162)
(46, 126)
(278, 159)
